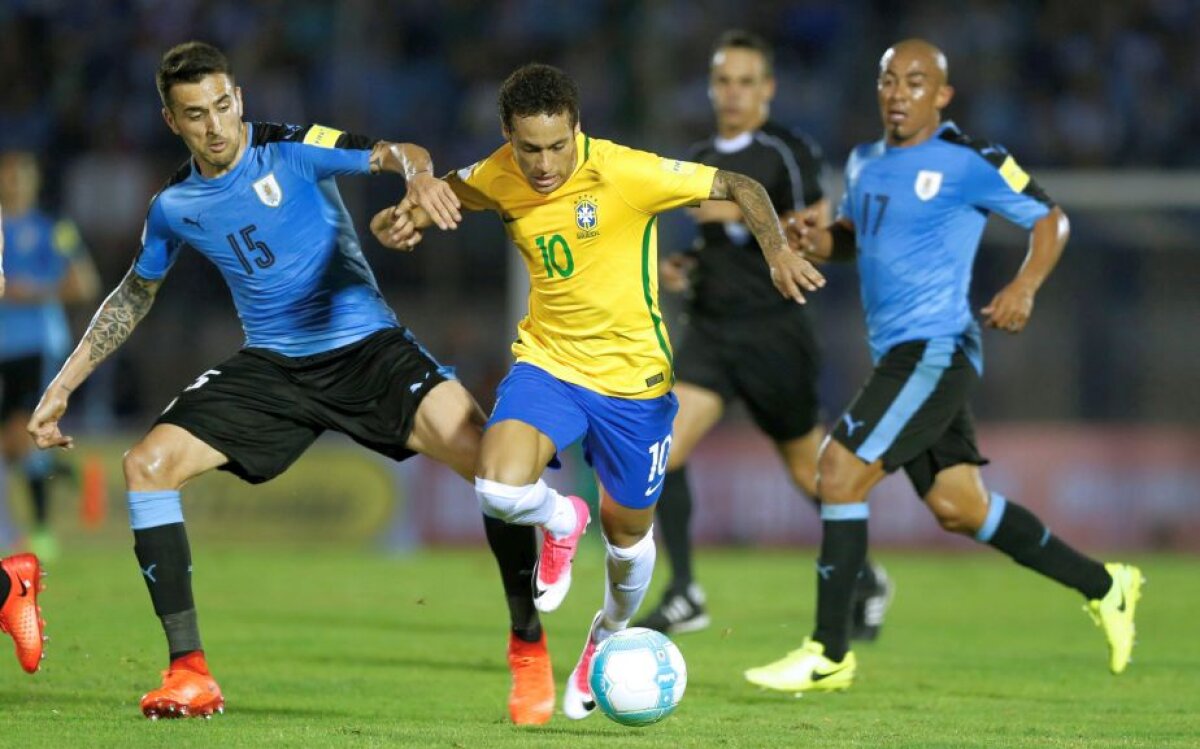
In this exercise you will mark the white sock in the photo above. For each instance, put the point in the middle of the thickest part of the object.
(563, 520)
(627, 577)
(532, 504)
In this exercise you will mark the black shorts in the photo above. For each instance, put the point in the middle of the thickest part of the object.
(769, 361)
(262, 409)
(20, 384)
(913, 413)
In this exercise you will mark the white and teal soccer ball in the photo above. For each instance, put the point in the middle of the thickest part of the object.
(637, 677)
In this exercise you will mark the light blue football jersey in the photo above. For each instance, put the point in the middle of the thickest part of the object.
(277, 229)
(919, 213)
(38, 251)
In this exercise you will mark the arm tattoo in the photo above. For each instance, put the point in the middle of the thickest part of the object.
(755, 203)
(119, 315)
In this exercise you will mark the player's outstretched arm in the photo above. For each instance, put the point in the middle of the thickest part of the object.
(397, 227)
(424, 189)
(790, 272)
(1011, 308)
(809, 234)
(110, 327)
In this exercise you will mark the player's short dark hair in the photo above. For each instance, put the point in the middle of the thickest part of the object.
(742, 39)
(188, 63)
(538, 89)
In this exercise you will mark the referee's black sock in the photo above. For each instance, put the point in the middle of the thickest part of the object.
(843, 552)
(41, 501)
(165, 558)
(1018, 533)
(515, 549)
(674, 512)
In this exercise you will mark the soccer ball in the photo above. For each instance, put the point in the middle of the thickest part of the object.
(637, 677)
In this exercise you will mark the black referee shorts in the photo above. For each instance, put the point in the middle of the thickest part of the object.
(21, 382)
(913, 413)
(262, 409)
(770, 361)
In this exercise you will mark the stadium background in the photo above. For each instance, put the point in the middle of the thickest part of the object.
(1090, 415)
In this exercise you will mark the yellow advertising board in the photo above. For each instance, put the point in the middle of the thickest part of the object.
(337, 492)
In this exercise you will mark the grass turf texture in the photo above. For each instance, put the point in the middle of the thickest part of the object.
(323, 648)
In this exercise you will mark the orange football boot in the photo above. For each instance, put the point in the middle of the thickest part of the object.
(188, 691)
(21, 617)
(531, 700)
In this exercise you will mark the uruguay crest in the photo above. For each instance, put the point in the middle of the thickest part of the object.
(268, 191)
(587, 216)
(928, 183)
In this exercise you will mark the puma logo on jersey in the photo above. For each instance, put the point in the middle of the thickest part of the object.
(851, 424)
(417, 385)
(193, 222)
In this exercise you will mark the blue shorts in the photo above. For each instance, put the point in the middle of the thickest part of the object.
(626, 440)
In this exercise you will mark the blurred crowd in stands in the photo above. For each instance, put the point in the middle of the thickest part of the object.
(1108, 83)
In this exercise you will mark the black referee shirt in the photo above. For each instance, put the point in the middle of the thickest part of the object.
(732, 277)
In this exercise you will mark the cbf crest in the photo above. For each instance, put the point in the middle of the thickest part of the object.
(268, 191)
(587, 217)
(928, 184)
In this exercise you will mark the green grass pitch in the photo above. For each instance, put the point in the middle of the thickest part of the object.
(322, 648)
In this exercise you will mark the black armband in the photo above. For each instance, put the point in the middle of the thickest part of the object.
(843, 248)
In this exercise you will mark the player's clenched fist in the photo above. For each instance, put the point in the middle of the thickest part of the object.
(43, 425)
(790, 273)
(394, 227)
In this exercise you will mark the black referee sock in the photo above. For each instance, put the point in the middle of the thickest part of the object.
(515, 549)
(41, 501)
(674, 519)
(165, 558)
(843, 553)
(1018, 533)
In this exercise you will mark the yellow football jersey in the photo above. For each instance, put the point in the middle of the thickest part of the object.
(591, 248)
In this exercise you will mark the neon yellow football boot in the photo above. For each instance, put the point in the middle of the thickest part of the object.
(1114, 613)
(805, 670)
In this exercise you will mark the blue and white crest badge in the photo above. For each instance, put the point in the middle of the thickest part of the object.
(268, 191)
(928, 184)
(587, 216)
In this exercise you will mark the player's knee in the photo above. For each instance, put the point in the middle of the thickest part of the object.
(834, 482)
(951, 512)
(521, 504)
(504, 466)
(631, 549)
(148, 467)
(626, 534)
(805, 476)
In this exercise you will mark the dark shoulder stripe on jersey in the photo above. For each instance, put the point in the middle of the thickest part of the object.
(183, 172)
(995, 154)
(274, 132)
(795, 176)
(354, 142)
(797, 139)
